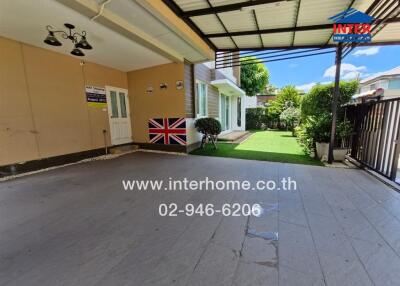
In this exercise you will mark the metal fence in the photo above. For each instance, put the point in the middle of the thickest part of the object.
(375, 141)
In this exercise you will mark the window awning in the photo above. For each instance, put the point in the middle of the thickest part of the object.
(228, 88)
(370, 93)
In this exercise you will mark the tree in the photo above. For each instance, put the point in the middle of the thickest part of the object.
(316, 113)
(270, 89)
(290, 116)
(287, 97)
(319, 99)
(253, 77)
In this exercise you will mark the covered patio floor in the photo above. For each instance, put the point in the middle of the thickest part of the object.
(77, 226)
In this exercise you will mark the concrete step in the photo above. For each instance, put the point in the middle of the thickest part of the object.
(233, 136)
(123, 149)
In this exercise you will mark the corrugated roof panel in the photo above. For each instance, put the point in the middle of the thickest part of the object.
(317, 37)
(224, 2)
(314, 12)
(208, 24)
(389, 33)
(251, 41)
(188, 5)
(223, 43)
(238, 21)
(277, 39)
(362, 5)
(276, 16)
(279, 15)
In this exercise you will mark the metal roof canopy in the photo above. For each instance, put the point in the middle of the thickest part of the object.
(255, 27)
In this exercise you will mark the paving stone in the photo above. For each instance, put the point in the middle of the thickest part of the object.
(380, 261)
(256, 274)
(343, 271)
(288, 276)
(76, 226)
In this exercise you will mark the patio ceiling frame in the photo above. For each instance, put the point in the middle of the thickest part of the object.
(379, 9)
(227, 8)
(187, 15)
(379, 22)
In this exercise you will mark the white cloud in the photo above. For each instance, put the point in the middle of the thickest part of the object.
(306, 87)
(351, 75)
(347, 71)
(367, 52)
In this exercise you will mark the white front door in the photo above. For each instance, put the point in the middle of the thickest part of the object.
(119, 115)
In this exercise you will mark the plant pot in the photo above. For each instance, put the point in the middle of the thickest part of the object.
(339, 154)
(322, 150)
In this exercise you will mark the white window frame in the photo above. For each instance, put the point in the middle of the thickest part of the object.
(197, 99)
(230, 111)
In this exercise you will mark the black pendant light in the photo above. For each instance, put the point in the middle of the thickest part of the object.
(83, 44)
(52, 40)
(77, 52)
(71, 35)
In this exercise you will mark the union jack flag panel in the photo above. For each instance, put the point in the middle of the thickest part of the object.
(171, 131)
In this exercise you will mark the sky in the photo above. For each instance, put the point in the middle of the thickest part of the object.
(306, 72)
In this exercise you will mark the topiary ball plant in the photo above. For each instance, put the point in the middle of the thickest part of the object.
(208, 125)
(210, 128)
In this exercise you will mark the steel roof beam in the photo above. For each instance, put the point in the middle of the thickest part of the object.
(283, 30)
(227, 8)
(388, 43)
(178, 11)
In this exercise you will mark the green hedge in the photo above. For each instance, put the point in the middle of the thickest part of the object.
(316, 114)
(256, 118)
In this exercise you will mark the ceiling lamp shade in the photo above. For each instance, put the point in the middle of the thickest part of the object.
(52, 40)
(78, 39)
(83, 44)
(77, 52)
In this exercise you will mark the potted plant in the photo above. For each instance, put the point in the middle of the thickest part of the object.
(210, 128)
(343, 132)
(318, 128)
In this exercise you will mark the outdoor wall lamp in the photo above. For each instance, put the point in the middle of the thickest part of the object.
(70, 34)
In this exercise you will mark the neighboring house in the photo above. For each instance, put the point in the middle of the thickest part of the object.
(383, 85)
(264, 100)
(250, 101)
(216, 94)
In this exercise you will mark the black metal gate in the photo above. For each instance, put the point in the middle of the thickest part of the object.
(375, 141)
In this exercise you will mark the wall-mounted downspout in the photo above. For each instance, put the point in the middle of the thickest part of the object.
(101, 10)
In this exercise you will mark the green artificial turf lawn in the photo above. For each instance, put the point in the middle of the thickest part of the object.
(276, 146)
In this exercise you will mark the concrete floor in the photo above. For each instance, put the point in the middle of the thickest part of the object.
(76, 226)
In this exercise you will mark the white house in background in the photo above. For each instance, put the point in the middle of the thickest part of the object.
(250, 101)
(384, 85)
(217, 94)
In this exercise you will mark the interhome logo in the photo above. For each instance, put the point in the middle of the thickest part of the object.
(352, 26)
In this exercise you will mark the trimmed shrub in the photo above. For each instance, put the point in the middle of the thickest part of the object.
(208, 126)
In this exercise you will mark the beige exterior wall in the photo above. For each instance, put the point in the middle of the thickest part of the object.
(102, 76)
(158, 104)
(205, 74)
(43, 109)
